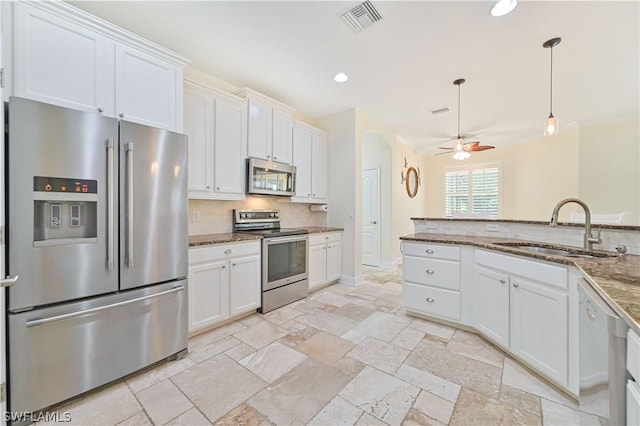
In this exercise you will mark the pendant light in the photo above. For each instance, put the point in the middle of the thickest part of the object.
(459, 153)
(552, 125)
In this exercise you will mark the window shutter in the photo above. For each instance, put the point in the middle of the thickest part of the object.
(485, 191)
(457, 192)
(472, 191)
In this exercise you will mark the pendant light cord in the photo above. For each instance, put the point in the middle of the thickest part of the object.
(551, 85)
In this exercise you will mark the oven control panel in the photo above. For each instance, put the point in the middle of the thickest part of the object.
(255, 215)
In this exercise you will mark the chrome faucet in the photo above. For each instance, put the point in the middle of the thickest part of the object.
(589, 240)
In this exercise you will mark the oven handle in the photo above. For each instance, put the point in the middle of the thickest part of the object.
(278, 240)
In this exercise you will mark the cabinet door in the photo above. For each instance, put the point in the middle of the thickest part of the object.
(198, 120)
(244, 284)
(317, 265)
(59, 62)
(334, 261)
(229, 159)
(146, 89)
(319, 169)
(282, 136)
(208, 294)
(259, 128)
(539, 327)
(492, 305)
(302, 160)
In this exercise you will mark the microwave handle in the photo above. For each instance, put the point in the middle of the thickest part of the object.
(292, 187)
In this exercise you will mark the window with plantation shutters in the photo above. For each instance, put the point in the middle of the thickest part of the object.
(473, 190)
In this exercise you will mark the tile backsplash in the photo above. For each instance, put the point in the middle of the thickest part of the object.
(217, 216)
(566, 235)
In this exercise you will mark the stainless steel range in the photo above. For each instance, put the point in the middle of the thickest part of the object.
(285, 256)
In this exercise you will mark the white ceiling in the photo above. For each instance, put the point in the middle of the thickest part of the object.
(403, 67)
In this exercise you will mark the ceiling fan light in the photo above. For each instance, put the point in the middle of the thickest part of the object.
(551, 127)
(503, 7)
(459, 153)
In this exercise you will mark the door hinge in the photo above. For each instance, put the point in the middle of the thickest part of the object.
(3, 392)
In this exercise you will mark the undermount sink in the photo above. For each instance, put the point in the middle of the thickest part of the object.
(544, 249)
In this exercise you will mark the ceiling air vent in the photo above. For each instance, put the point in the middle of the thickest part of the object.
(361, 16)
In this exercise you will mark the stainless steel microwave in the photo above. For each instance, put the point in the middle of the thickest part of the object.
(270, 178)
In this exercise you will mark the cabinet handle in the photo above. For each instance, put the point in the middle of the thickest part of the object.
(429, 251)
(208, 187)
(228, 251)
(502, 281)
(9, 281)
(121, 114)
(430, 299)
(313, 195)
(326, 238)
(324, 248)
(308, 195)
(224, 266)
(268, 156)
(516, 285)
(217, 188)
(100, 109)
(275, 158)
(430, 271)
(233, 264)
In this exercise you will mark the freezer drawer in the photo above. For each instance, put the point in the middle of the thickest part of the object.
(59, 352)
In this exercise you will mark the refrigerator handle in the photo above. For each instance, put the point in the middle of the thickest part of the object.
(129, 150)
(110, 206)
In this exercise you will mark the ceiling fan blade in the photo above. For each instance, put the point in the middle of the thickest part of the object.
(445, 147)
(443, 153)
(482, 147)
(472, 143)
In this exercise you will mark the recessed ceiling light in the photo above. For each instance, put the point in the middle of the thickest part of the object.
(340, 77)
(502, 7)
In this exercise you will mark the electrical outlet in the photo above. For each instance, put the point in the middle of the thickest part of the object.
(493, 227)
(195, 216)
(431, 225)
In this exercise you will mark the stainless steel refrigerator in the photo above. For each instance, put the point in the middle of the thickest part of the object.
(97, 233)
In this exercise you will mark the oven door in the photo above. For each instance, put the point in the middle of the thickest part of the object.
(284, 261)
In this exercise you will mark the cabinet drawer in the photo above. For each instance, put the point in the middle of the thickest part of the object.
(431, 301)
(437, 251)
(330, 237)
(633, 355)
(221, 251)
(435, 272)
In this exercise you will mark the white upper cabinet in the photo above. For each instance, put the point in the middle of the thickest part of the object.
(310, 158)
(215, 124)
(59, 62)
(145, 88)
(67, 57)
(269, 126)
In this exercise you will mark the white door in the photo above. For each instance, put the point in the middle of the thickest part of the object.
(145, 88)
(282, 136)
(229, 168)
(198, 119)
(491, 316)
(539, 323)
(59, 62)
(302, 161)
(370, 217)
(317, 265)
(208, 294)
(244, 284)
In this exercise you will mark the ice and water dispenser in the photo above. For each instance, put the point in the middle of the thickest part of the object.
(65, 211)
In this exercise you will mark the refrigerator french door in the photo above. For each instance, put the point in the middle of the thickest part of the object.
(97, 232)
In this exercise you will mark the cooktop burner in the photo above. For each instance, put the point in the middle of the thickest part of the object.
(262, 222)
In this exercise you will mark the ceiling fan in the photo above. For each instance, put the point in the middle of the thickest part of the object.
(463, 149)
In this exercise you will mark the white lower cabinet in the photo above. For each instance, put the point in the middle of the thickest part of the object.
(325, 259)
(521, 305)
(431, 274)
(528, 316)
(224, 282)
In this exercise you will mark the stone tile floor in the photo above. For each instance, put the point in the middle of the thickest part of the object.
(343, 356)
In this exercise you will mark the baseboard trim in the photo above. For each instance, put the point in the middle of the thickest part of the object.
(351, 280)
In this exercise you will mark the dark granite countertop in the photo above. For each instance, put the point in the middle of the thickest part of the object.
(528, 222)
(227, 237)
(615, 278)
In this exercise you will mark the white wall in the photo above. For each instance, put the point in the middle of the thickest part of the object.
(609, 169)
(344, 188)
